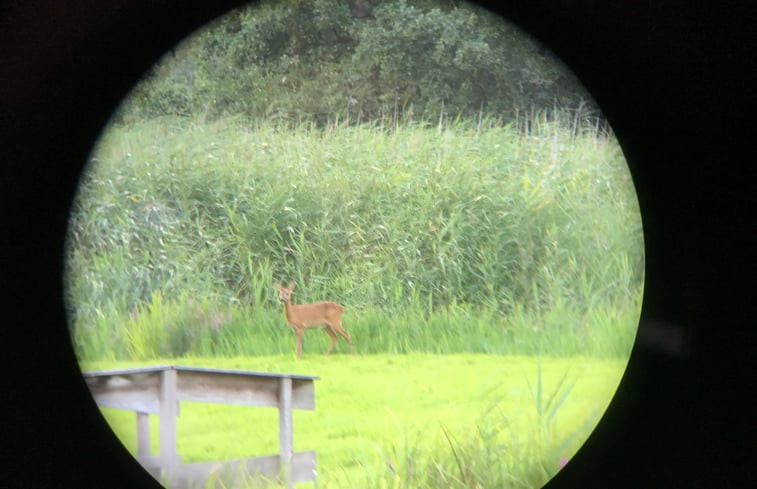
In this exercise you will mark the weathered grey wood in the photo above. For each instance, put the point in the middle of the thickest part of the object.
(303, 394)
(233, 473)
(143, 435)
(168, 411)
(180, 368)
(134, 392)
(140, 391)
(158, 390)
(285, 427)
(227, 388)
(149, 462)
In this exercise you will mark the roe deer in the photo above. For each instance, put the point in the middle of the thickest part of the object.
(325, 314)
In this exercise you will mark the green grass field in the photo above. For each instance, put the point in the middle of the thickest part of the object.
(374, 412)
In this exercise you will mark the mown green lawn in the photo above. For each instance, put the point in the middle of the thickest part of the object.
(377, 411)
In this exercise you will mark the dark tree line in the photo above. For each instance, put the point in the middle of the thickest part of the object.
(357, 60)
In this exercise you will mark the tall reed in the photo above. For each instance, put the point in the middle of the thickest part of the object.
(476, 237)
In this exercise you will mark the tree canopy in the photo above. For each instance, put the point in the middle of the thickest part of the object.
(360, 60)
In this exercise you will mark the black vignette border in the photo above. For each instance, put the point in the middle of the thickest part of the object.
(674, 79)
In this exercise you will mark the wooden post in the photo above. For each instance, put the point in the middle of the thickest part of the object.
(168, 409)
(285, 428)
(143, 435)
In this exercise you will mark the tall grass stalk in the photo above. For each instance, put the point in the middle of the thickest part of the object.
(472, 237)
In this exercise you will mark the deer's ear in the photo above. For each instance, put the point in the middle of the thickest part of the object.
(277, 285)
(291, 286)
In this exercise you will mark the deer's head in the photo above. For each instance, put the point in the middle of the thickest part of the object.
(285, 293)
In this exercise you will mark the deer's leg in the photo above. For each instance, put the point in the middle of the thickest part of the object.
(298, 334)
(340, 329)
(333, 337)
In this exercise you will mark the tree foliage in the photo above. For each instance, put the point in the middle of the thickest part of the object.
(362, 60)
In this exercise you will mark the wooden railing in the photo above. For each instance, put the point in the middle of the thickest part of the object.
(159, 389)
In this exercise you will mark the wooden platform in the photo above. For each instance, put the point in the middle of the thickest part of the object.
(159, 390)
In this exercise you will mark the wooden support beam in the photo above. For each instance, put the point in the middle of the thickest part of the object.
(286, 443)
(143, 435)
(139, 389)
(169, 458)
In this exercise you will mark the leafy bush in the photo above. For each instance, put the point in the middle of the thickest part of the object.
(318, 60)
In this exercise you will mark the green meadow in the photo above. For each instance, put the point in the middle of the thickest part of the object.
(415, 420)
(491, 278)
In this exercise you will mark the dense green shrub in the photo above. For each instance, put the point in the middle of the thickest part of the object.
(394, 60)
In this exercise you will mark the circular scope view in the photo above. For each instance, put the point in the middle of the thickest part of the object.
(355, 244)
